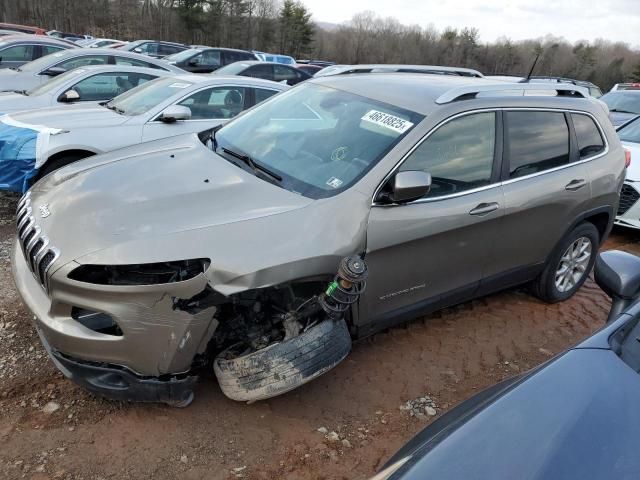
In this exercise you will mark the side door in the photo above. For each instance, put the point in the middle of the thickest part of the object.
(432, 252)
(16, 55)
(546, 188)
(209, 107)
(105, 86)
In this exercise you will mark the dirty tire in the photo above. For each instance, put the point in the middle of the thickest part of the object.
(544, 287)
(283, 366)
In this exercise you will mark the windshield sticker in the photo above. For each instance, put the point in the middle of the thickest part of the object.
(179, 85)
(386, 120)
(334, 182)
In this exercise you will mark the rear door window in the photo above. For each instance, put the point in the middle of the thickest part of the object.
(262, 94)
(134, 62)
(535, 141)
(459, 155)
(209, 58)
(588, 135)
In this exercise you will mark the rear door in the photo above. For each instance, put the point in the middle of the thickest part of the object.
(546, 188)
(432, 252)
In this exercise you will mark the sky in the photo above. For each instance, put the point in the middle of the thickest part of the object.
(615, 20)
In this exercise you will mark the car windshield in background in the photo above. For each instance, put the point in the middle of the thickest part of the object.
(141, 99)
(56, 82)
(318, 139)
(630, 132)
(183, 55)
(624, 102)
(232, 68)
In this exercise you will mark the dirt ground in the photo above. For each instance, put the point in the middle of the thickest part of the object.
(51, 429)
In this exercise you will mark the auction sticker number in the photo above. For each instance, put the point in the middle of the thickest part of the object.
(387, 120)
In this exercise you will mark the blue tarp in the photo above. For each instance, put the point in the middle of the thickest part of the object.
(20, 147)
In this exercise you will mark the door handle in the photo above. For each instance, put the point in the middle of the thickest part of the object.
(574, 185)
(484, 209)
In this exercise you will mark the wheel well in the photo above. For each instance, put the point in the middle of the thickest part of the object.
(601, 222)
(71, 153)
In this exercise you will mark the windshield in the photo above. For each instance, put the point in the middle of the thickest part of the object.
(56, 82)
(622, 101)
(141, 99)
(318, 139)
(630, 132)
(183, 55)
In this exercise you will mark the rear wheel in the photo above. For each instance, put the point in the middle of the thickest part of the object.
(56, 163)
(569, 265)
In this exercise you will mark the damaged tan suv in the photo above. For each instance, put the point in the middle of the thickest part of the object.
(242, 249)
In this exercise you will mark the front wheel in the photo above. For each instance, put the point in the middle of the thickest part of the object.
(569, 265)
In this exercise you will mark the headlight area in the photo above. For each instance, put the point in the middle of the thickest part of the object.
(140, 274)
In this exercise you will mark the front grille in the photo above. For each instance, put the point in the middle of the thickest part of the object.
(38, 253)
(628, 197)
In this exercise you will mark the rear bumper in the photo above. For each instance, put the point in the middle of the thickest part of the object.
(119, 383)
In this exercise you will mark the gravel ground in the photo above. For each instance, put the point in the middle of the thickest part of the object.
(342, 426)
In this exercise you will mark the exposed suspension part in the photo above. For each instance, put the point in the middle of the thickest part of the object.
(346, 287)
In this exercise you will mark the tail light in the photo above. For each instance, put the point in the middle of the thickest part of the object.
(627, 158)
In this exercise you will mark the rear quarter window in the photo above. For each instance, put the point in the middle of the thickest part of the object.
(536, 141)
(588, 134)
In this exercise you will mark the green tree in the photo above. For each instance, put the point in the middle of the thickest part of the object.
(296, 28)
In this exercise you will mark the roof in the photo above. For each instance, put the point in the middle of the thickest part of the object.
(41, 39)
(419, 92)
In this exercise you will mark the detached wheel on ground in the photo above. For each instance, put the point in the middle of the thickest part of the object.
(569, 265)
(55, 164)
(283, 366)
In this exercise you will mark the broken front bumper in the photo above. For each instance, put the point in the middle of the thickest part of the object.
(151, 356)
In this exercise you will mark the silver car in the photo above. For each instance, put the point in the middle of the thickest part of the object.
(339, 208)
(35, 73)
(85, 84)
(37, 142)
(18, 49)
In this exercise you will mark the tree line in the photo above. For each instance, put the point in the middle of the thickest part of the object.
(286, 27)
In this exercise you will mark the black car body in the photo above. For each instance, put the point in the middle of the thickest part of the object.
(16, 50)
(207, 59)
(154, 48)
(276, 72)
(574, 417)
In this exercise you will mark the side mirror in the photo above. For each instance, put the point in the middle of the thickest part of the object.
(618, 275)
(174, 113)
(406, 187)
(69, 96)
(137, 50)
(54, 71)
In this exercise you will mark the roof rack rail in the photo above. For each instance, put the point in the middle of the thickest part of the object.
(469, 91)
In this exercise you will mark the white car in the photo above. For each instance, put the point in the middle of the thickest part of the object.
(85, 84)
(36, 142)
(37, 72)
(629, 206)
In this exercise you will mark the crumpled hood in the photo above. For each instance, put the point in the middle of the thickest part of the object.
(145, 193)
(68, 117)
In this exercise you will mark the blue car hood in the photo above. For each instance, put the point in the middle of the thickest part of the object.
(576, 418)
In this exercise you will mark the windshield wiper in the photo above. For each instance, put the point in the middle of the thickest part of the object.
(621, 111)
(114, 108)
(253, 165)
(17, 69)
(21, 92)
